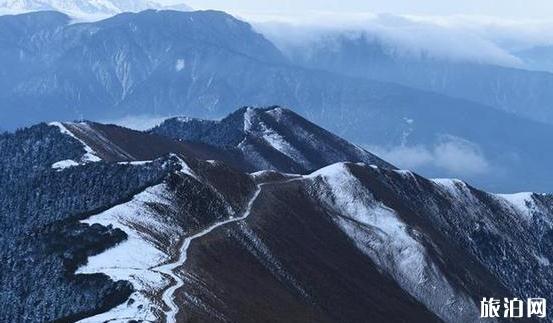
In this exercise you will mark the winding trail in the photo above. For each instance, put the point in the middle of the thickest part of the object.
(169, 269)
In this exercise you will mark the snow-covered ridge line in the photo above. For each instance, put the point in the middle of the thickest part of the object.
(140, 260)
(380, 233)
(89, 156)
(252, 124)
(522, 203)
(132, 259)
(136, 259)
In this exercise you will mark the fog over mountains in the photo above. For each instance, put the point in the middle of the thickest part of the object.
(514, 90)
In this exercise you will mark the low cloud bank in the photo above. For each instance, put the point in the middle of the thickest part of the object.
(457, 38)
(140, 122)
(452, 155)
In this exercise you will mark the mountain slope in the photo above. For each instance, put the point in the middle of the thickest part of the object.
(41, 236)
(250, 139)
(180, 238)
(272, 138)
(518, 91)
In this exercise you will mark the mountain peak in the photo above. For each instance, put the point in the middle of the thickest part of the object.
(85, 9)
(272, 138)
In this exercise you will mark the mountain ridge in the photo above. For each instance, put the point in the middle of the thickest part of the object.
(85, 9)
(516, 90)
(162, 231)
(203, 64)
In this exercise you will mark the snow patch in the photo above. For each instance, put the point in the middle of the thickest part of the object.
(185, 169)
(133, 259)
(334, 170)
(452, 185)
(248, 116)
(90, 155)
(408, 120)
(63, 164)
(544, 261)
(405, 173)
(137, 308)
(136, 163)
(179, 65)
(278, 142)
(523, 203)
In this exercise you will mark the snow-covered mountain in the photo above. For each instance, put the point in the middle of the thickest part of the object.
(205, 63)
(116, 225)
(84, 9)
(274, 138)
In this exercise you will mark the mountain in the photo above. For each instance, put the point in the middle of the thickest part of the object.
(518, 91)
(434, 140)
(118, 224)
(203, 64)
(537, 58)
(269, 139)
(84, 9)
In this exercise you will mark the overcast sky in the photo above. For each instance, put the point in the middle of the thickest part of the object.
(518, 9)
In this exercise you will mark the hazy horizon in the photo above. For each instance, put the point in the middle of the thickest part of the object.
(498, 29)
(510, 9)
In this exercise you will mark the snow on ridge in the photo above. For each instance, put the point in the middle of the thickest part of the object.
(86, 10)
(448, 181)
(275, 140)
(188, 119)
(270, 171)
(253, 125)
(89, 156)
(136, 162)
(523, 203)
(453, 186)
(63, 164)
(276, 112)
(336, 169)
(96, 136)
(248, 116)
(380, 233)
(404, 172)
(145, 258)
(132, 259)
(185, 169)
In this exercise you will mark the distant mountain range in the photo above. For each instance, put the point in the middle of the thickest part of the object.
(522, 92)
(203, 64)
(538, 58)
(84, 9)
(116, 224)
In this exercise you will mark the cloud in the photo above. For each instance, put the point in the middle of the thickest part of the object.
(140, 122)
(460, 157)
(453, 156)
(459, 38)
